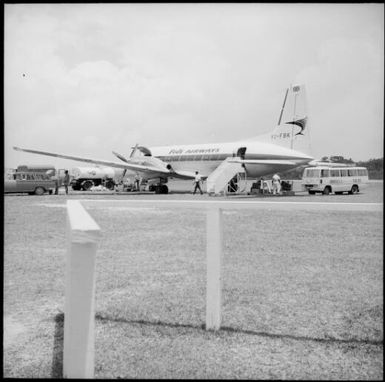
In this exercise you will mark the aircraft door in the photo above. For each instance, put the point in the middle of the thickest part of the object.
(241, 152)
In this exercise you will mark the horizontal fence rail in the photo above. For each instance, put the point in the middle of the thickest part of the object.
(82, 237)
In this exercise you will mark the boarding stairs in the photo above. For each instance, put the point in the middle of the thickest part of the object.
(219, 181)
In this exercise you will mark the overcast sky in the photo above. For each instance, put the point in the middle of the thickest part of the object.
(87, 79)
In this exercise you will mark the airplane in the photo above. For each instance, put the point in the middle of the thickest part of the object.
(259, 156)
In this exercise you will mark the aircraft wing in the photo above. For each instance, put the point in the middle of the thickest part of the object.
(148, 170)
(263, 161)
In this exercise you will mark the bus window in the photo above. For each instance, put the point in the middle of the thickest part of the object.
(362, 172)
(324, 173)
(312, 173)
(334, 173)
(344, 172)
(352, 172)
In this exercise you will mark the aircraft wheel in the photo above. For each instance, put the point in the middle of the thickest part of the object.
(161, 189)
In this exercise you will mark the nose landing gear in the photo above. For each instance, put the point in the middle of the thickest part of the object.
(161, 189)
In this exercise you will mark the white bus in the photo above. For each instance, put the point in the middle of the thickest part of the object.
(334, 179)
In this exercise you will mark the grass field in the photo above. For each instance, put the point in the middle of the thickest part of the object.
(302, 292)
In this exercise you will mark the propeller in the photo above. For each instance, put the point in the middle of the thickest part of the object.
(122, 158)
(133, 150)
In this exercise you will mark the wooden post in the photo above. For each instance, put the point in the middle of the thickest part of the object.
(79, 311)
(214, 280)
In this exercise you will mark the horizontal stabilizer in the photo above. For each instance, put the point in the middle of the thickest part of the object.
(316, 163)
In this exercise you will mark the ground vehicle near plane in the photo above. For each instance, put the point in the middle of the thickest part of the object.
(31, 179)
(335, 179)
(86, 177)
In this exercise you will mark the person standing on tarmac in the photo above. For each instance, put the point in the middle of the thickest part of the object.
(66, 181)
(55, 177)
(197, 183)
(276, 184)
(137, 182)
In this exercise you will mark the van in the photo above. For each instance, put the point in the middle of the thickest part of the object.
(29, 182)
(335, 179)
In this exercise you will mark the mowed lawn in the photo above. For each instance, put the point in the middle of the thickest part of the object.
(302, 293)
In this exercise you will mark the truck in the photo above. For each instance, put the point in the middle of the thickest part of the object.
(83, 178)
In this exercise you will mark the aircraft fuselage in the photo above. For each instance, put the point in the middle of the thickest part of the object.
(205, 158)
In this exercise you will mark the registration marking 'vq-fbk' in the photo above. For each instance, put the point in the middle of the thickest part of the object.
(282, 135)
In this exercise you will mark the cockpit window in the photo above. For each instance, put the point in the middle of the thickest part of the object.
(146, 152)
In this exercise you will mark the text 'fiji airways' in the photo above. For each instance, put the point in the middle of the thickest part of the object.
(194, 151)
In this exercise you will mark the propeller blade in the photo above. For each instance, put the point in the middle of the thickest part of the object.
(133, 150)
(121, 157)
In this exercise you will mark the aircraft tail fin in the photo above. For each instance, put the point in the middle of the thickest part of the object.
(292, 130)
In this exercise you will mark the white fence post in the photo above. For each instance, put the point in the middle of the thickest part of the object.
(214, 246)
(79, 311)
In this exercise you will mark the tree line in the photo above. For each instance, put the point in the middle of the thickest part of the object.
(375, 168)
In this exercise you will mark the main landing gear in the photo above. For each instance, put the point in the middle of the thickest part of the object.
(159, 188)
